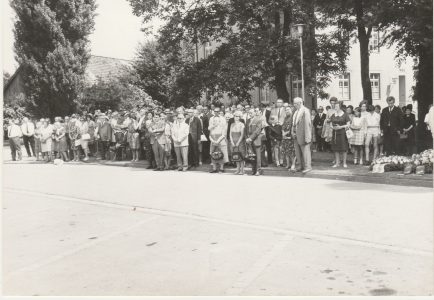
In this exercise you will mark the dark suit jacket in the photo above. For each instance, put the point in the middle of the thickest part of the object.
(253, 130)
(195, 128)
(319, 121)
(205, 124)
(393, 118)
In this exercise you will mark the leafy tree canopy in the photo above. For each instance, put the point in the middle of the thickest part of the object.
(51, 38)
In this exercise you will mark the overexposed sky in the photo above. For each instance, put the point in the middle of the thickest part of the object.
(117, 32)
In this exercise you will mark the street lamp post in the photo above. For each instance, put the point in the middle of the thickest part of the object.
(300, 28)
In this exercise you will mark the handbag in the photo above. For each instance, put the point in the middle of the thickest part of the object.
(217, 154)
(236, 156)
(250, 154)
(85, 136)
(203, 138)
(349, 133)
(77, 143)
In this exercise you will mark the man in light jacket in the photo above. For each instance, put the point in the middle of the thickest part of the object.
(180, 132)
(302, 134)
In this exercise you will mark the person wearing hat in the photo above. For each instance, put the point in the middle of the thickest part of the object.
(195, 133)
(103, 133)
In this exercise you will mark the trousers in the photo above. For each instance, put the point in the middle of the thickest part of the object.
(158, 154)
(182, 156)
(15, 145)
(302, 152)
(29, 143)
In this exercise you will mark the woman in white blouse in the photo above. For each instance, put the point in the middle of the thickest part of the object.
(372, 125)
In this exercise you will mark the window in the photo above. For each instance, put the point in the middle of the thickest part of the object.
(263, 94)
(344, 87)
(375, 85)
(374, 40)
(207, 49)
(296, 87)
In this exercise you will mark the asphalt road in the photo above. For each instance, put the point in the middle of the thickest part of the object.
(78, 230)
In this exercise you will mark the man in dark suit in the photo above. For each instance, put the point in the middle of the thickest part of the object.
(318, 123)
(253, 131)
(204, 116)
(194, 137)
(390, 125)
(266, 113)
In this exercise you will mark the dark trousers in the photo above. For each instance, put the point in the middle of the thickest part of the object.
(15, 145)
(268, 146)
(391, 141)
(256, 165)
(29, 142)
(105, 145)
(320, 141)
(205, 152)
(193, 151)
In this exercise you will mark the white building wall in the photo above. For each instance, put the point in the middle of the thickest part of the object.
(384, 63)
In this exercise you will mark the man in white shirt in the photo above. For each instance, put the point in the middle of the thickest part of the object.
(14, 135)
(279, 112)
(28, 130)
(180, 132)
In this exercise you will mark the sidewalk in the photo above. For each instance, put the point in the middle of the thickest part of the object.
(321, 169)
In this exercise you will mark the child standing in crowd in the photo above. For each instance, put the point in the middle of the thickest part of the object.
(356, 141)
(380, 137)
(276, 138)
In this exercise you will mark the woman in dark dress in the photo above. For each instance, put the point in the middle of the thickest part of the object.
(408, 128)
(340, 122)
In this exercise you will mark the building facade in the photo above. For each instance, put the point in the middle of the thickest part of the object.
(388, 78)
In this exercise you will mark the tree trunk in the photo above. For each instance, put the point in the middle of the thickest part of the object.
(280, 82)
(364, 69)
(363, 37)
(309, 44)
(424, 95)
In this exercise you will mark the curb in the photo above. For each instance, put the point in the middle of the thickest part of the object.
(391, 178)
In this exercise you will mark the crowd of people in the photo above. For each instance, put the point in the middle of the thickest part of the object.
(284, 135)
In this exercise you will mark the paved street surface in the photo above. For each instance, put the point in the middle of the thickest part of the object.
(103, 230)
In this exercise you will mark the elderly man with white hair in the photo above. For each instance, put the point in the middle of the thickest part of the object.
(302, 134)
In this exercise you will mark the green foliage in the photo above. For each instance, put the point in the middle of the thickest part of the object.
(169, 78)
(51, 39)
(255, 47)
(116, 94)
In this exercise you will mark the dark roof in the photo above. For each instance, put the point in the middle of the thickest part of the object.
(106, 68)
(97, 67)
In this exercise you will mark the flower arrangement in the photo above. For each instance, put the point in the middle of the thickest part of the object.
(398, 163)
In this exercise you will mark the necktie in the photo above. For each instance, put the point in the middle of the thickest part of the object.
(278, 114)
